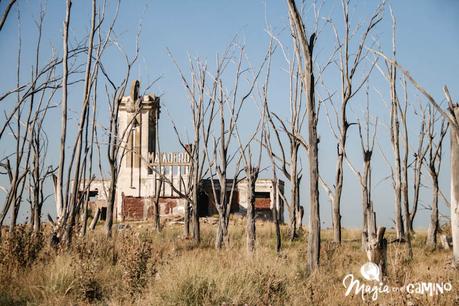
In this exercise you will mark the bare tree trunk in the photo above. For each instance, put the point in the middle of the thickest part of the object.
(307, 73)
(94, 221)
(186, 221)
(377, 250)
(453, 119)
(404, 174)
(417, 172)
(157, 206)
(75, 195)
(294, 190)
(347, 68)
(416, 190)
(274, 182)
(314, 213)
(222, 230)
(434, 223)
(110, 206)
(434, 166)
(223, 206)
(455, 187)
(395, 140)
(60, 172)
(368, 225)
(251, 229)
(37, 219)
(275, 211)
(396, 150)
(14, 215)
(5, 13)
(194, 212)
(336, 203)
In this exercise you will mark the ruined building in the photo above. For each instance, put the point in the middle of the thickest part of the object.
(139, 179)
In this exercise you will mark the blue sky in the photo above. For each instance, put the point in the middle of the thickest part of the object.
(427, 45)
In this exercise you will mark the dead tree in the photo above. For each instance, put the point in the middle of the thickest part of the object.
(399, 169)
(158, 188)
(373, 241)
(229, 104)
(202, 116)
(367, 142)
(452, 115)
(39, 172)
(303, 49)
(418, 162)
(349, 62)
(69, 197)
(293, 130)
(269, 148)
(89, 148)
(395, 141)
(275, 182)
(220, 157)
(252, 170)
(29, 112)
(117, 149)
(72, 205)
(60, 170)
(377, 250)
(404, 171)
(434, 158)
(18, 170)
(454, 109)
(6, 13)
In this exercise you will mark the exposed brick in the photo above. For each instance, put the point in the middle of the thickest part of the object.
(133, 208)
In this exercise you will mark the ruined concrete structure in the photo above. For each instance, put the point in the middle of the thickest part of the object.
(141, 165)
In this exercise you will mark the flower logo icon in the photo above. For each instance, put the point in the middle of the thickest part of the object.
(370, 271)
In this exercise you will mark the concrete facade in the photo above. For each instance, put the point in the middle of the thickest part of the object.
(141, 165)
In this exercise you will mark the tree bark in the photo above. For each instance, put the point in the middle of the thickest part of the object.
(251, 229)
(111, 204)
(275, 213)
(294, 191)
(60, 172)
(395, 125)
(194, 212)
(186, 221)
(37, 219)
(434, 223)
(222, 231)
(416, 189)
(336, 203)
(455, 188)
(6, 13)
(307, 73)
(95, 219)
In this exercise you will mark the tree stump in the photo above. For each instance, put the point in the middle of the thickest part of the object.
(376, 248)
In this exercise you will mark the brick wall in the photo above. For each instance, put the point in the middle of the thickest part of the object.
(132, 208)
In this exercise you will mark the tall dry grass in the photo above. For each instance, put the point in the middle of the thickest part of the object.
(142, 267)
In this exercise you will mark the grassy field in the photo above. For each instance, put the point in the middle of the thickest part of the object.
(141, 267)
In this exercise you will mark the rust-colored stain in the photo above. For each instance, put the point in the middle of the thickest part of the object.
(132, 208)
(167, 205)
(262, 203)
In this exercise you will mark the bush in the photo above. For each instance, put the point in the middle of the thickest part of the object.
(137, 263)
(21, 249)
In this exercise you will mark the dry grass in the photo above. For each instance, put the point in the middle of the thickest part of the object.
(141, 267)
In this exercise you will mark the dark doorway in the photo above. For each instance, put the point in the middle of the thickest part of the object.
(103, 213)
(203, 204)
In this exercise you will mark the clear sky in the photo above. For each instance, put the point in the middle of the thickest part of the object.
(427, 43)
